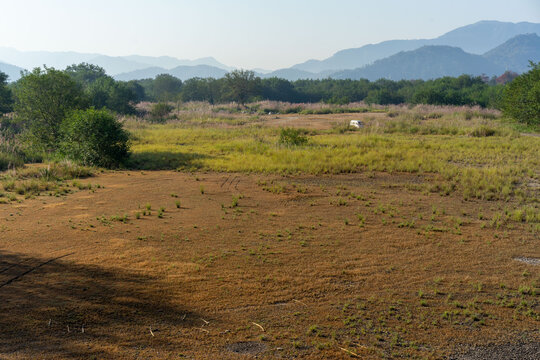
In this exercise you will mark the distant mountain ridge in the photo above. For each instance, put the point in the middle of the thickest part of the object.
(505, 46)
(13, 72)
(113, 65)
(181, 72)
(515, 53)
(475, 39)
(428, 62)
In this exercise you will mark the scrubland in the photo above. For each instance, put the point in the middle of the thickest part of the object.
(415, 236)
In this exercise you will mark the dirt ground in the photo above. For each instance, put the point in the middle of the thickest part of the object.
(329, 267)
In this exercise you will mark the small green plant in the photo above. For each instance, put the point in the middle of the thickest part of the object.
(234, 202)
(342, 202)
(292, 137)
(120, 218)
(177, 203)
(313, 330)
(201, 189)
(361, 219)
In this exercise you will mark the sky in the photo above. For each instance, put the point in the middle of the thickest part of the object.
(268, 34)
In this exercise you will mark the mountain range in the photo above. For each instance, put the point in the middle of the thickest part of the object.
(486, 47)
(113, 65)
(428, 62)
(475, 39)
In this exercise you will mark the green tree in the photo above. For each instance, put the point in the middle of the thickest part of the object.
(43, 98)
(166, 87)
(242, 84)
(137, 89)
(94, 137)
(102, 90)
(85, 74)
(117, 96)
(521, 98)
(6, 100)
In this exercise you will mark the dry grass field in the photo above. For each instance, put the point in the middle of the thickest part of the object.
(241, 255)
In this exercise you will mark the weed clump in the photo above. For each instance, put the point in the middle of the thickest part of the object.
(293, 137)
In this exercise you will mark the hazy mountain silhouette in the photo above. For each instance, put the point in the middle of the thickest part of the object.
(113, 65)
(476, 39)
(32, 59)
(181, 72)
(428, 62)
(291, 74)
(515, 54)
(14, 72)
(483, 36)
(168, 62)
(146, 73)
(504, 42)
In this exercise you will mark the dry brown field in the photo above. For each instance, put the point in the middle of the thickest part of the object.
(210, 265)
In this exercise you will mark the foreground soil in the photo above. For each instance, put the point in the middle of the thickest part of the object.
(248, 266)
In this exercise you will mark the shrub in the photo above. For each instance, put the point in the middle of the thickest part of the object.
(483, 131)
(43, 98)
(293, 137)
(521, 98)
(94, 137)
(9, 160)
(160, 111)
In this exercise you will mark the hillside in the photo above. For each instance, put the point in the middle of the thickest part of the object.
(12, 71)
(290, 74)
(181, 72)
(428, 62)
(476, 39)
(113, 65)
(483, 36)
(146, 73)
(515, 54)
(169, 62)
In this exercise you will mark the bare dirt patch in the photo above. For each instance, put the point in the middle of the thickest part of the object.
(168, 265)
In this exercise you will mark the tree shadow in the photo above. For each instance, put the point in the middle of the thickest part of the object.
(165, 160)
(59, 309)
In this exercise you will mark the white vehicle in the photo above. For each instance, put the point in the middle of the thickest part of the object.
(356, 123)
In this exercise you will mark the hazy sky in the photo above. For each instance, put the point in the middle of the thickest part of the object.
(244, 33)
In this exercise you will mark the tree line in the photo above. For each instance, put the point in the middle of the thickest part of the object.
(244, 86)
(97, 89)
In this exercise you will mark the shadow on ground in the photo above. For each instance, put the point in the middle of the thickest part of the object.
(58, 309)
(163, 160)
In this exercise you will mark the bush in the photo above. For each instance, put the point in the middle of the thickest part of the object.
(483, 131)
(9, 160)
(6, 98)
(160, 112)
(94, 137)
(521, 98)
(43, 98)
(294, 137)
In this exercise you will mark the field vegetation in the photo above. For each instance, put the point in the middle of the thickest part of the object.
(470, 151)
